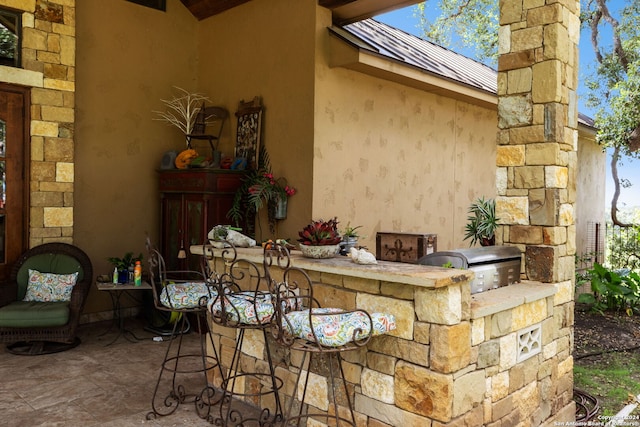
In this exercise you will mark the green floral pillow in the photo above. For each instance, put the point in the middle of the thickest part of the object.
(49, 287)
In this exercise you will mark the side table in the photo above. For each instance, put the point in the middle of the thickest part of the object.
(116, 291)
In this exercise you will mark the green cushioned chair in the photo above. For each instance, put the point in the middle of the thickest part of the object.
(44, 327)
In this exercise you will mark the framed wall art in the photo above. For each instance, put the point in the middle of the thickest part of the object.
(249, 133)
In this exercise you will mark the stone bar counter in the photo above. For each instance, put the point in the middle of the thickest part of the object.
(498, 358)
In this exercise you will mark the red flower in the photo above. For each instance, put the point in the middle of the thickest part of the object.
(269, 176)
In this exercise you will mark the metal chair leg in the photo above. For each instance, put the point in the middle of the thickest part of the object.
(303, 411)
(175, 363)
(233, 411)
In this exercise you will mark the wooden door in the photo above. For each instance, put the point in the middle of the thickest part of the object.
(14, 169)
(172, 238)
(197, 225)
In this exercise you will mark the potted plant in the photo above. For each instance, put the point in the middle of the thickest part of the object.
(482, 222)
(261, 188)
(349, 237)
(320, 239)
(124, 264)
(272, 191)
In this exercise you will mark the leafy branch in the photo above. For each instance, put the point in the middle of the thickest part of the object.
(182, 111)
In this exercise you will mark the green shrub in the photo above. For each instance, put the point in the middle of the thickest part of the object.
(612, 290)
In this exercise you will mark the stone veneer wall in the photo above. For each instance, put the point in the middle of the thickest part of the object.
(538, 135)
(48, 67)
(498, 358)
(537, 154)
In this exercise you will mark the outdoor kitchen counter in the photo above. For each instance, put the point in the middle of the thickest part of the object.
(455, 358)
(386, 271)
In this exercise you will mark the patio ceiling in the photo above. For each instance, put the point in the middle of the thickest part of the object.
(344, 11)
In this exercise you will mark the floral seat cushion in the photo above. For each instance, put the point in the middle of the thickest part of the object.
(333, 327)
(247, 308)
(186, 295)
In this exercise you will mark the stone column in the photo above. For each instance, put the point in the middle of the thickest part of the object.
(538, 136)
(536, 167)
(49, 54)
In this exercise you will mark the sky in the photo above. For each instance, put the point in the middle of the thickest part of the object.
(405, 20)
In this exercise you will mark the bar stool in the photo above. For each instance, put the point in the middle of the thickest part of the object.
(300, 324)
(183, 293)
(244, 302)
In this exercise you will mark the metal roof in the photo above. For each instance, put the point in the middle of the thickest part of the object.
(404, 47)
(395, 44)
(586, 120)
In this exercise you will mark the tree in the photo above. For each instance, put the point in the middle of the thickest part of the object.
(616, 81)
(474, 23)
(614, 87)
(8, 43)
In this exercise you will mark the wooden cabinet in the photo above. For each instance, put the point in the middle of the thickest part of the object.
(192, 202)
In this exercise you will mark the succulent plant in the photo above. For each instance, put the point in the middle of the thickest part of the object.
(320, 232)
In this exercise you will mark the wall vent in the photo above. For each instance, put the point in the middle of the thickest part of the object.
(529, 342)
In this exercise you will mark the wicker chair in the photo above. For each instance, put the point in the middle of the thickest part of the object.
(32, 328)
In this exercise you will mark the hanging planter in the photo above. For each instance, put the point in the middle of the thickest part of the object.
(280, 209)
(261, 189)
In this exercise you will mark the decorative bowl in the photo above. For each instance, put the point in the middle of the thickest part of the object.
(319, 252)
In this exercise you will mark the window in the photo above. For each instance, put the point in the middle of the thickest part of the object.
(3, 186)
(10, 37)
(155, 4)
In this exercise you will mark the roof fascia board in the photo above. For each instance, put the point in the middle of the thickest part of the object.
(345, 54)
(347, 12)
(587, 132)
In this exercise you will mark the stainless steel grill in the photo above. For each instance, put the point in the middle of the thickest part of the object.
(494, 266)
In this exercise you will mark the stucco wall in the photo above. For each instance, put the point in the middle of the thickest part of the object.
(129, 57)
(590, 193)
(393, 158)
(265, 48)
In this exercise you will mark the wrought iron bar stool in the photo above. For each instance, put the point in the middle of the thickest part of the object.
(183, 293)
(244, 302)
(300, 324)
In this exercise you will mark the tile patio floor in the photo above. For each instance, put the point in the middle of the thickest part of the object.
(93, 384)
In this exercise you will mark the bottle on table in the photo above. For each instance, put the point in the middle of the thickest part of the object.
(137, 274)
